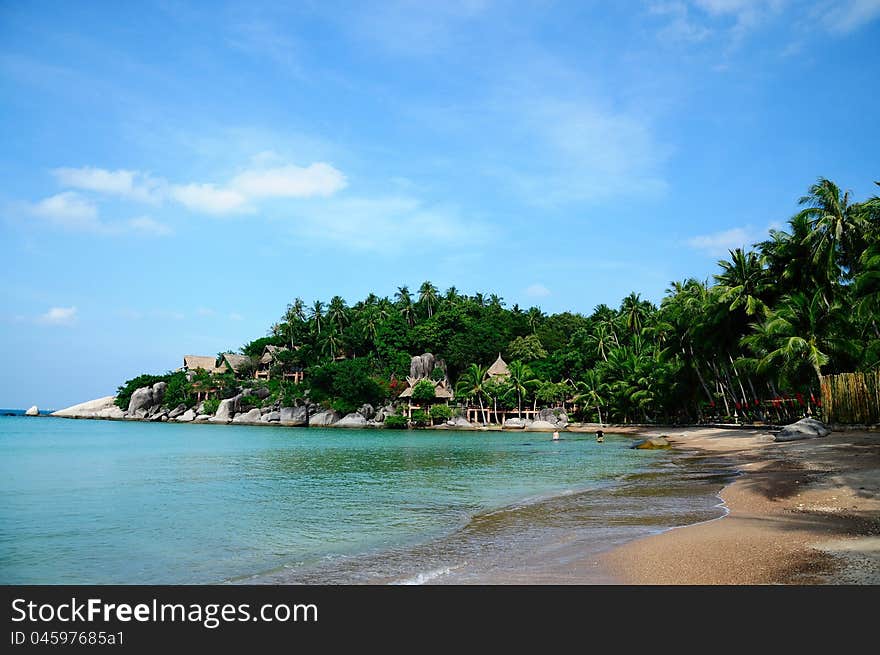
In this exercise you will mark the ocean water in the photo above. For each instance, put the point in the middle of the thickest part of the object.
(144, 503)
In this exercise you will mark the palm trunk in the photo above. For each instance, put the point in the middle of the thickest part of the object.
(599, 410)
(482, 411)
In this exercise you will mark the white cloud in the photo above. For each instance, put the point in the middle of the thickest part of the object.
(68, 209)
(59, 316)
(291, 181)
(129, 184)
(537, 290)
(209, 199)
(718, 243)
(235, 317)
(387, 223)
(147, 226)
(847, 17)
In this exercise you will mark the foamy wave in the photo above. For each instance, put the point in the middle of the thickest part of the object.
(425, 576)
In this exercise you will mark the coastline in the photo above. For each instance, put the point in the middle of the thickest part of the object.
(801, 512)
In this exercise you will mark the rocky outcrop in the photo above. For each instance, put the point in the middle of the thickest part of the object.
(141, 402)
(33, 411)
(651, 443)
(293, 415)
(421, 366)
(159, 392)
(327, 417)
(517, 423)
(251, 416)
(188, 416)
(261, 392)
(557, 417)
(459, 422)
(99, 408)
(271, 417)
(225, 411)
(203, 417)
(367, 411)
(541, 426)
(806, 428)
(177, 411)
(353, 420)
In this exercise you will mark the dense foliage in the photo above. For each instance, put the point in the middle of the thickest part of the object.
(751, 343)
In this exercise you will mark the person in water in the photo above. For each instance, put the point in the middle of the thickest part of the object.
(600, 436)
(555, 436)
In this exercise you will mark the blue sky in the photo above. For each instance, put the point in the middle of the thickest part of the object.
(172, 174)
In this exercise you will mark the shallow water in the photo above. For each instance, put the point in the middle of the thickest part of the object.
(144, 503)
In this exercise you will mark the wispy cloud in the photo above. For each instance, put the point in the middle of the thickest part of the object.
(291, 181)
(537, 290)
(846, 17)
(59, 316)
(147, 226)
(68, 209)
(127, 184)
(209, 199)
(718, 243)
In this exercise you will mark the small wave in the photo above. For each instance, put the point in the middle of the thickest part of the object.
(425, 576)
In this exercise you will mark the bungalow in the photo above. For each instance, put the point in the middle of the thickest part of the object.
(270, 355)
(498, 370)
(441, 392)
(236, 363)
(203, 363)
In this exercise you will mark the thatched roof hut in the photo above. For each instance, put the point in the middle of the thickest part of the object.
(270, 352)
(235, 362)
(499, 369)
(441, 391)
(203, 362)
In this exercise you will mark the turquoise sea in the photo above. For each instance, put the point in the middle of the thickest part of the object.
(142, 503)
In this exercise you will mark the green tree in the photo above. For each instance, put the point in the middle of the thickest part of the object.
(428, 297)
(522, 380)
(470, 385)
(527, 349)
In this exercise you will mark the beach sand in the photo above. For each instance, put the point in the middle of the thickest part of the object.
(802, 512)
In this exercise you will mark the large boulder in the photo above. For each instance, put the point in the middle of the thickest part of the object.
(327, 417)
(367, 411)
(262, 393)
(187, 416)
(806, 428)
(177, 411)
(225, 411)
(557, 417)
(99, 408)
(517, 423)
(541, 426)
(421, 366)
(271, 417)
(33, 411)
(459, 422)
(159, 392)
(353, 420)
(252, 416)
(293, 415)
(651, 443)
(141, 401)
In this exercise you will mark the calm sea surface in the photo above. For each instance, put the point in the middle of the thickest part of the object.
(141, 503)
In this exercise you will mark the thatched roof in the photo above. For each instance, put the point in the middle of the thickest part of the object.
(204, 362)
(498, 369)
(270, 352)
(441, 391)
(235, 361)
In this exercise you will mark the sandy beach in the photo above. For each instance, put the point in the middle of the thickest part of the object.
(802, 512)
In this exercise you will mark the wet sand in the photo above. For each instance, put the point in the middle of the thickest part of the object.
(803, 512)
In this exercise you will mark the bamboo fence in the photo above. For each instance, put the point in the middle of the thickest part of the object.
(852, 398)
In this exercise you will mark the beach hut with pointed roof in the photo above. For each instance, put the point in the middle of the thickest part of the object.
(235, 362)
(204, 363)
(268, 360)
(499, 369)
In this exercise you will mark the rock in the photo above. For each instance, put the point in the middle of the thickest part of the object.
(272, 417)
(262, 393)
(651, 443)
(187, 416)
(806, 428)
(252, 416)
(515, 423)
(226, 409)
(367, 411)
(327, 417)
(141, 399)
(203, 417)
(459, 422)
(158, 417)
(557, 416)
(379, 417)
(293, 415)
(353, 420)
(177, 411)
(541, 426)
(265, 410)
(421, 366)
(201, 408)
(33, 411)
(92, 409)
(159, 392)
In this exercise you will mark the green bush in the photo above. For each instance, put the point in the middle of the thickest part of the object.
(395, 422)
(179, 391)
(423, 390)
(437, 374)
(441, 412)
(420, 419)
(211, 405)
(123, 393)
(249, 401)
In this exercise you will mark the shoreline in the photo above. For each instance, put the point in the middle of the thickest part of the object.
(801, 512)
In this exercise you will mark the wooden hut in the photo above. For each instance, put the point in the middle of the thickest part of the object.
(442, 392)
(203, 363)
(498, 370)
(268, 360)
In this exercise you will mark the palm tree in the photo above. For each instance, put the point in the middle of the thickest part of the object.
(522, 380)
(317, 315)
(428, 297)
(592, 391)
(535, 316)
(634, 310)
(404, 301)
(470, 384)
(337, 312)
(331, 343)
(600, 339)
(836, 224)
(742, 281)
